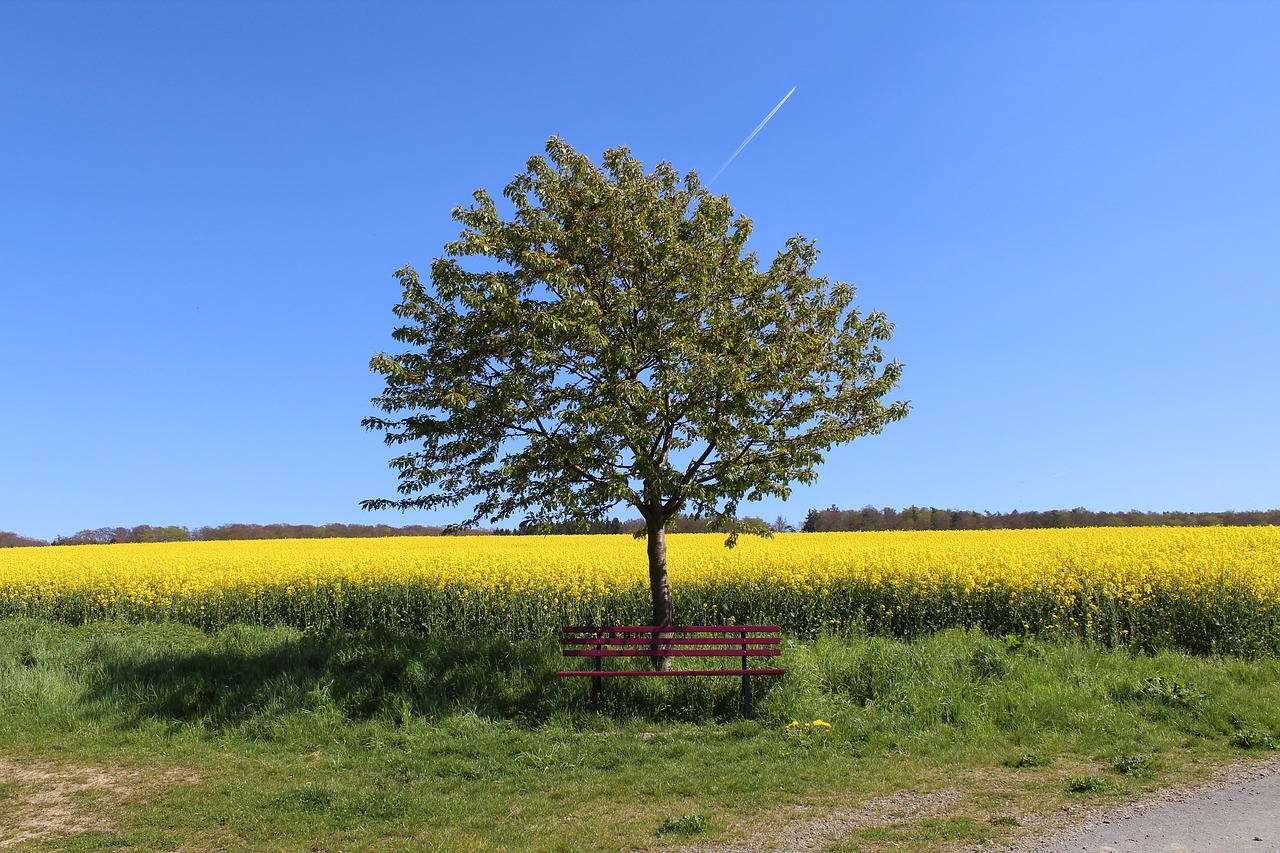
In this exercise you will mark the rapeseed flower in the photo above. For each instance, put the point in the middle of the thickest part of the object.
(1202, 589)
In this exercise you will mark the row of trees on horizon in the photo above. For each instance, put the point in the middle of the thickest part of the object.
(932, 518)
(832, 519)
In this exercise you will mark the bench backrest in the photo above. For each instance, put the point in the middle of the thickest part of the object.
(648, 641)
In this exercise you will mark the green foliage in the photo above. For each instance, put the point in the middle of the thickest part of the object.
(1252, 737)
(685, 825)
(619, 345)
(1170, 691)
(1090, 785)
(1127, 764)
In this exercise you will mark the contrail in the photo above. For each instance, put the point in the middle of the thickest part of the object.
(751, 137)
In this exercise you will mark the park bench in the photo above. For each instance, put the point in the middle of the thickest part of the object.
(598, 642)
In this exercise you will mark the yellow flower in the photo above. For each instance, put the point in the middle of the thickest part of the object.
(1088, 581)
(824, 725)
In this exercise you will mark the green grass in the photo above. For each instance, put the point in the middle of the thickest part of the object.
(685, 825)
(270, 738)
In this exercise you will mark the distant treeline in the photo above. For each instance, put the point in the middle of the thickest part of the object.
(13, 540)
(174, 533)
(932, 518)
(816, 521)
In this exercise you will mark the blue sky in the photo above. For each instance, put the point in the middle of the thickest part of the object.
(1070, 210)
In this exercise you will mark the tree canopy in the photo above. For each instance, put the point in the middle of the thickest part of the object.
(620, 345)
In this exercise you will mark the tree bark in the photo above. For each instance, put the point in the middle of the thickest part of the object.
(656, 542)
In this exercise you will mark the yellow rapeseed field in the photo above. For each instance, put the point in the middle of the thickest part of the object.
(1201, 589)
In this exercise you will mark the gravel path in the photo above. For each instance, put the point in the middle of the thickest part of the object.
(1242, 814)
(1238, 812)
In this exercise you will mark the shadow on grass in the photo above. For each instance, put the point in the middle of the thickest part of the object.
(249, 675)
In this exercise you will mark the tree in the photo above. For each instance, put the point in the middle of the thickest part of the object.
(100, 536)
(621, 346)
(811, 521)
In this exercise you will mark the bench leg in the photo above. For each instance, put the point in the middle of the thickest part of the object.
(595, 680)
(746, 696)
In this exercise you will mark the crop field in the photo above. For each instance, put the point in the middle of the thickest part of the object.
(1209, 590)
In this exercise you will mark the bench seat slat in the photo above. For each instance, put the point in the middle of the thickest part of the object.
(649, 672)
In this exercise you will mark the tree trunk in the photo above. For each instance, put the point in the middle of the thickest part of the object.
(656, 541)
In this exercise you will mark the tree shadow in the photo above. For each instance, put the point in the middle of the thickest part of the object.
(250, 675)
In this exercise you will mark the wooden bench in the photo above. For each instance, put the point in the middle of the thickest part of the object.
(696, 641)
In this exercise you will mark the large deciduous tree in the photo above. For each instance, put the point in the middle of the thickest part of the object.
(619, 345)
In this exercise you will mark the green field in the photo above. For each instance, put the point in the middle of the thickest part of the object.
(163, 737)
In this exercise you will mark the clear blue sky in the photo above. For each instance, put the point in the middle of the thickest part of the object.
(1070, 210)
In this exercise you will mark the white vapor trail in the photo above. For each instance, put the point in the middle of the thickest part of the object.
(751, 136)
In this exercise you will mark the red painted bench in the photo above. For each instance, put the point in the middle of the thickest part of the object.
(598, 642)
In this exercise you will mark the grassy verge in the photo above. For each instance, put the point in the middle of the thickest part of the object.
(159, 737)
